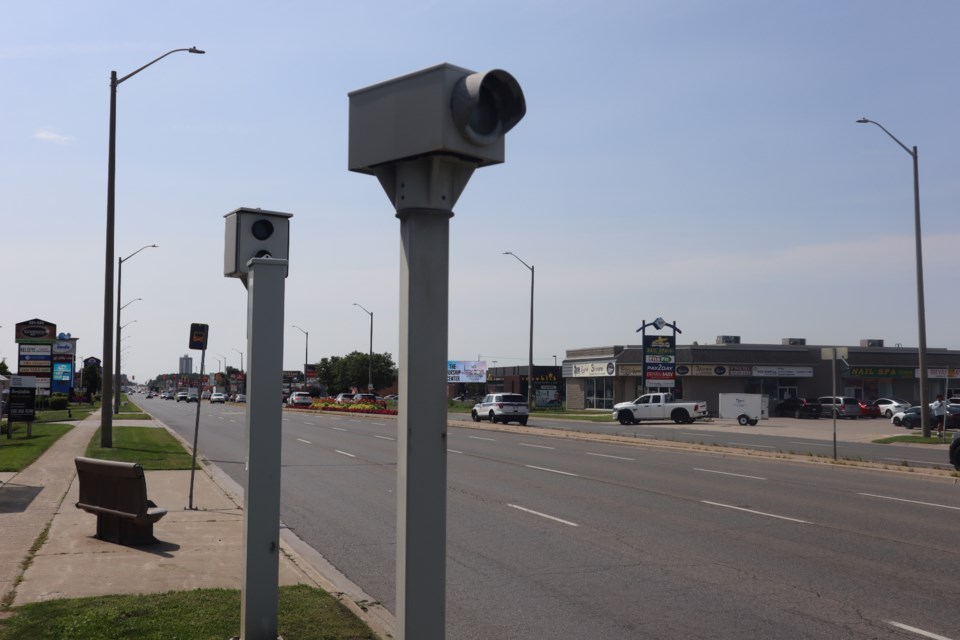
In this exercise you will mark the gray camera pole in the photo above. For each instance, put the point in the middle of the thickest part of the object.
(422, 428)
(261, 509)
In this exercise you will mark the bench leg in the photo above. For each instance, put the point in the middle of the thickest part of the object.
(123, 530)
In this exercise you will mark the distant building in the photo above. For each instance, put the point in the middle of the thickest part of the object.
(186, 365)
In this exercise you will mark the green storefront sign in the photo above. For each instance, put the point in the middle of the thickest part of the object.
(883, 372)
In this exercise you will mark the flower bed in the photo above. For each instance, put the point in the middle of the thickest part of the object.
(377, 408)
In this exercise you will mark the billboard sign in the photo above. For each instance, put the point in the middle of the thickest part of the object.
(35, 331)
(461, 371)
(22, 404)
(660, 360)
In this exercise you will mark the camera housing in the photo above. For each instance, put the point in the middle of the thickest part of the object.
(444, 109)
(254, 233)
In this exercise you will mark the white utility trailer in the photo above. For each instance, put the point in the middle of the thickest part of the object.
(745, 408)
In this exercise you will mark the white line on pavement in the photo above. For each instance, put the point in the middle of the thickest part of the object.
(338, 429)
(565, 473)
(543, 515)
(384, 437)
(302, 440)
(454, 451)
(919, 632)
(479, 438)
(379, 424)
(344, 453)
(811, 444)
(727, 473)
(538, 446)
(759, 513)
(604, 455)
(308, 423)
(750, 444)
(926, 504)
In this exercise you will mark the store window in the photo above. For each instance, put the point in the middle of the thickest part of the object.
(598, 393)
(786, 392)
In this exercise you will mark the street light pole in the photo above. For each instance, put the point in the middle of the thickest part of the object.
(106, 416)
(306, 354)
(116, 400)
(530, 360)
(921, 313)
(370, 361)
(243, 378)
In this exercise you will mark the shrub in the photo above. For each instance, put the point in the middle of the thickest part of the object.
(58, 402)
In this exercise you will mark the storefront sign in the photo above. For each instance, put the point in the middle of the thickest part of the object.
(22, 402)
(782, 372)
(659, 356)
(35, 331)
(883, 372)
(630, 370)
(593, 369)
(711, 370)
(461, 371)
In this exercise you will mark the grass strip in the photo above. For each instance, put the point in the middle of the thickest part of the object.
(916, 439)
(154, 448)
(20, 451)
(305, 613)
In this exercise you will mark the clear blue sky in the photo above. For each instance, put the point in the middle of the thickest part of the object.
(696, 160)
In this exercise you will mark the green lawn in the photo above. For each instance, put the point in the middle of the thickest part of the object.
(154, 448)
(305, 613)
(918, 439)
(17, 453)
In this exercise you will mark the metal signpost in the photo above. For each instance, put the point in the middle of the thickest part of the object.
(198, 340)
(423, 135)
(832, 353)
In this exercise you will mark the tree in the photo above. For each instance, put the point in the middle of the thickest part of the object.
(91, 380)
(4, 369)
(341, 374)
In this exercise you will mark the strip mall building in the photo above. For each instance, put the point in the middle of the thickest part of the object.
(598, 378)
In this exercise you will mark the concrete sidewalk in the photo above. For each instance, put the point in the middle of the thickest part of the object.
(200, 548)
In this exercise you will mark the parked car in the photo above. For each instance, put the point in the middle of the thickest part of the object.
(300, 399)
(911, 419)
(240, 397)
(217, 397)
(869, 410)
(501, 407)
(890, 406)
(840, 406)
(799, 408)
(897, 418)
(364, 397)
(344, 398)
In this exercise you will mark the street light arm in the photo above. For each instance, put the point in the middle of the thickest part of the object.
(511, 253)
(868, 121)
(133, 73)
(129, 303)
(364, 308)
(149, 246)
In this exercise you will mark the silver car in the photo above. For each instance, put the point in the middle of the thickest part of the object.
(501, 407)
(840, 406)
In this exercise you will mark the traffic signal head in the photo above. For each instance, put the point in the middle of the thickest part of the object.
(254, 233)
(444, 110)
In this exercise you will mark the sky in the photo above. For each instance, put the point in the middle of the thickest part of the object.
(694, 160)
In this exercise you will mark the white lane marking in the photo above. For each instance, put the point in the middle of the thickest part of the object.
(233, 421)
(695, 433)
(338, 429)
(383, 437)
(454, 451)
(305, 441)
(543, 515)
(538, 446)
(309, 423)
(565, 473)
(479, 438)
(811, 444)
(379, 424)
(727, 473)
(352, 420)
(220, 417)
(604, 455)
(926, 504)
(919, 632)
(344, 453)
(913, 461)
(750, 444)
(286, 419)
(759, 513)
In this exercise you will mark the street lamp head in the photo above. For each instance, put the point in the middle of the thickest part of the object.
(863, 121)
(195, 50)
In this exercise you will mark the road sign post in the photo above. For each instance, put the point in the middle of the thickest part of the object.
(198, 340)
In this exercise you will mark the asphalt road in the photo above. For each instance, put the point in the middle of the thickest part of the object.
(562, 538)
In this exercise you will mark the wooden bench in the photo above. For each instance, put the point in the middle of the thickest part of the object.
(116, 492)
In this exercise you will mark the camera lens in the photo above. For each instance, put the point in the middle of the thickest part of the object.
(262, 229)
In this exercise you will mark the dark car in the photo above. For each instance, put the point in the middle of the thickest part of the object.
(799, 408)
(955, 451)
(911, 418)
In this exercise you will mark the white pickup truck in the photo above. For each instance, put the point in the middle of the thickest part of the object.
(659, 406)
